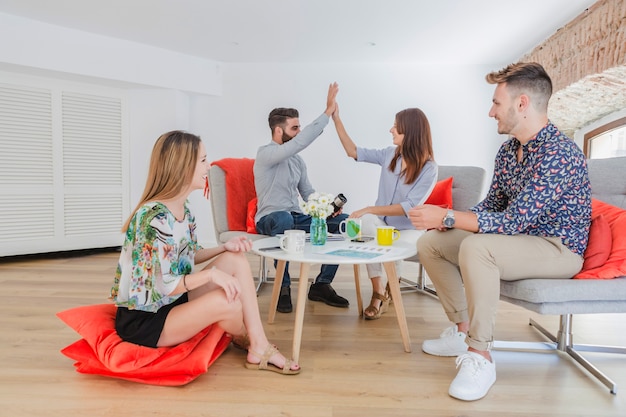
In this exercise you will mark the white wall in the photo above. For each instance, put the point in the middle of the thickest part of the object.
(227, 105)
(34, 45)
(455, 99)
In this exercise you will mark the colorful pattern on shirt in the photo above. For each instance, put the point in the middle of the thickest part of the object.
(546, 194)
(158, 251)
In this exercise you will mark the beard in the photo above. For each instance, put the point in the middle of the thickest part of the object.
(286, 138)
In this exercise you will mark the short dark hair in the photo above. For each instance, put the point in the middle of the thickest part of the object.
(526, 78)
(279, 116)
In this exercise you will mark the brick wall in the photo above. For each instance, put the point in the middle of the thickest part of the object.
(586, 60)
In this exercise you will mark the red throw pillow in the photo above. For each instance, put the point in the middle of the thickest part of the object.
(615, 265)
(599, 244)
(441, 194)
(103, 352)
(250, 224)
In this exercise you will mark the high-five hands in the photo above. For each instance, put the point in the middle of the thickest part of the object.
(333, 89)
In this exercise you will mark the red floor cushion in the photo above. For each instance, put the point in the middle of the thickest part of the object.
(102, 352)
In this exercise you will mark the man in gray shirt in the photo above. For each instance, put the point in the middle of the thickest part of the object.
(280, 176)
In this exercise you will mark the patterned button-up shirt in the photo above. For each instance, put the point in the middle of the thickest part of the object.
(546, 194)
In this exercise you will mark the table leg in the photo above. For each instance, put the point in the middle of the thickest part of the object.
(278, 282)
(394, 287)
(357, 286)
(303, 284)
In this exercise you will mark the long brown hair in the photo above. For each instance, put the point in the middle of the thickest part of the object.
(172, 164)
(417, 145)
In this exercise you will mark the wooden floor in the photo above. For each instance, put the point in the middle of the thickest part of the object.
(351, 367)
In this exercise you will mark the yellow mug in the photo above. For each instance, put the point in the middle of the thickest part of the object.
(386, 235)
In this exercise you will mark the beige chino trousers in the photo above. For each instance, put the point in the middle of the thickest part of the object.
(466, 269)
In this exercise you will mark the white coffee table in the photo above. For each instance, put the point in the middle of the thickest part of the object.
(354, 254)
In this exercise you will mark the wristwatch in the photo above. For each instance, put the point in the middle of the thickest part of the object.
(448, 220)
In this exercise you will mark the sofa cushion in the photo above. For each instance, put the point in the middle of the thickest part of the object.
(615, 265)
(240, 189)
(441, 194)
(599, 244)
(563, 296)
(250, 223)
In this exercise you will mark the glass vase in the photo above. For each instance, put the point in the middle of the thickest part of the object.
(319, 231)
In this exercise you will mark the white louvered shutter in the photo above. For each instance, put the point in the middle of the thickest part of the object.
(63, 175)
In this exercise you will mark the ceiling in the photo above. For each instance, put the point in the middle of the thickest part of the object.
(299, 31)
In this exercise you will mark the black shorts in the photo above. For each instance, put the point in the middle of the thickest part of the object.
(143, 327)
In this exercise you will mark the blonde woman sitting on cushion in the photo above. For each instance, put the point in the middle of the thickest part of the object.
(161, 300)
(407, 177)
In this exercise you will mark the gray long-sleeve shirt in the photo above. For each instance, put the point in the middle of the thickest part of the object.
(280, 173)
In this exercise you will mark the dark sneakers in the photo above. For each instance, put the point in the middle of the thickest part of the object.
(326, 294)
(284, 300)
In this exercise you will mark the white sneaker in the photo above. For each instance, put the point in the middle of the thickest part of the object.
(474, 379)
(450, 343)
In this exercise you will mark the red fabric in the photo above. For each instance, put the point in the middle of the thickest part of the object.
(239, 189)
(250, 223)
(102, 352)
(615, 265)
(441, 194)
(599, 245)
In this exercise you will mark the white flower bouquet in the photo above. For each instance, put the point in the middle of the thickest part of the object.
(318, 205)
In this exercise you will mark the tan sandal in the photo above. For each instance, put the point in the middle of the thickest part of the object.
(372, 312)
(266, 365)
(388, 293)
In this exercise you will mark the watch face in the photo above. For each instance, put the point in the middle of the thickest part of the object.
(448, 221)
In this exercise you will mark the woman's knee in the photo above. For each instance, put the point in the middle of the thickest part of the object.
(227, 309)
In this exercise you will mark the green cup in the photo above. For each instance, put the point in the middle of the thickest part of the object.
(350, 228)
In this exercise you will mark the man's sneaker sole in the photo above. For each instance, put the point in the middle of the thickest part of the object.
(443, 354)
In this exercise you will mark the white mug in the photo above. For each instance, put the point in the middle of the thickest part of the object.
(293, 241)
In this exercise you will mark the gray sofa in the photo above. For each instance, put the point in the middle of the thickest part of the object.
(566, 297)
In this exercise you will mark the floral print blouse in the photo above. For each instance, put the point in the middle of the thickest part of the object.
(546, 194)
(158, 251)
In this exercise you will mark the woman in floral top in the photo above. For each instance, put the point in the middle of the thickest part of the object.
(161, 299)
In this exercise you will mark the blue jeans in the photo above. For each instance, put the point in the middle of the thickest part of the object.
(279, 221)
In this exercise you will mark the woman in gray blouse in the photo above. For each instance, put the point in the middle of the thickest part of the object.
(407, 177)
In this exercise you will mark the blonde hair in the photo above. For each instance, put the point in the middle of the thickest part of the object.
(172, 164)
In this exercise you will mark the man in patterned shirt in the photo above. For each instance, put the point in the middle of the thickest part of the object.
(533, 223)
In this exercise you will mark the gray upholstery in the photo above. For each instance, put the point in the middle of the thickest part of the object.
(566, 297)
(579, 296)
(217, 182)
(467, 186)
(467, 189)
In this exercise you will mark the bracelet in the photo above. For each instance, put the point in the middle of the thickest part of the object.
(185, 282)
